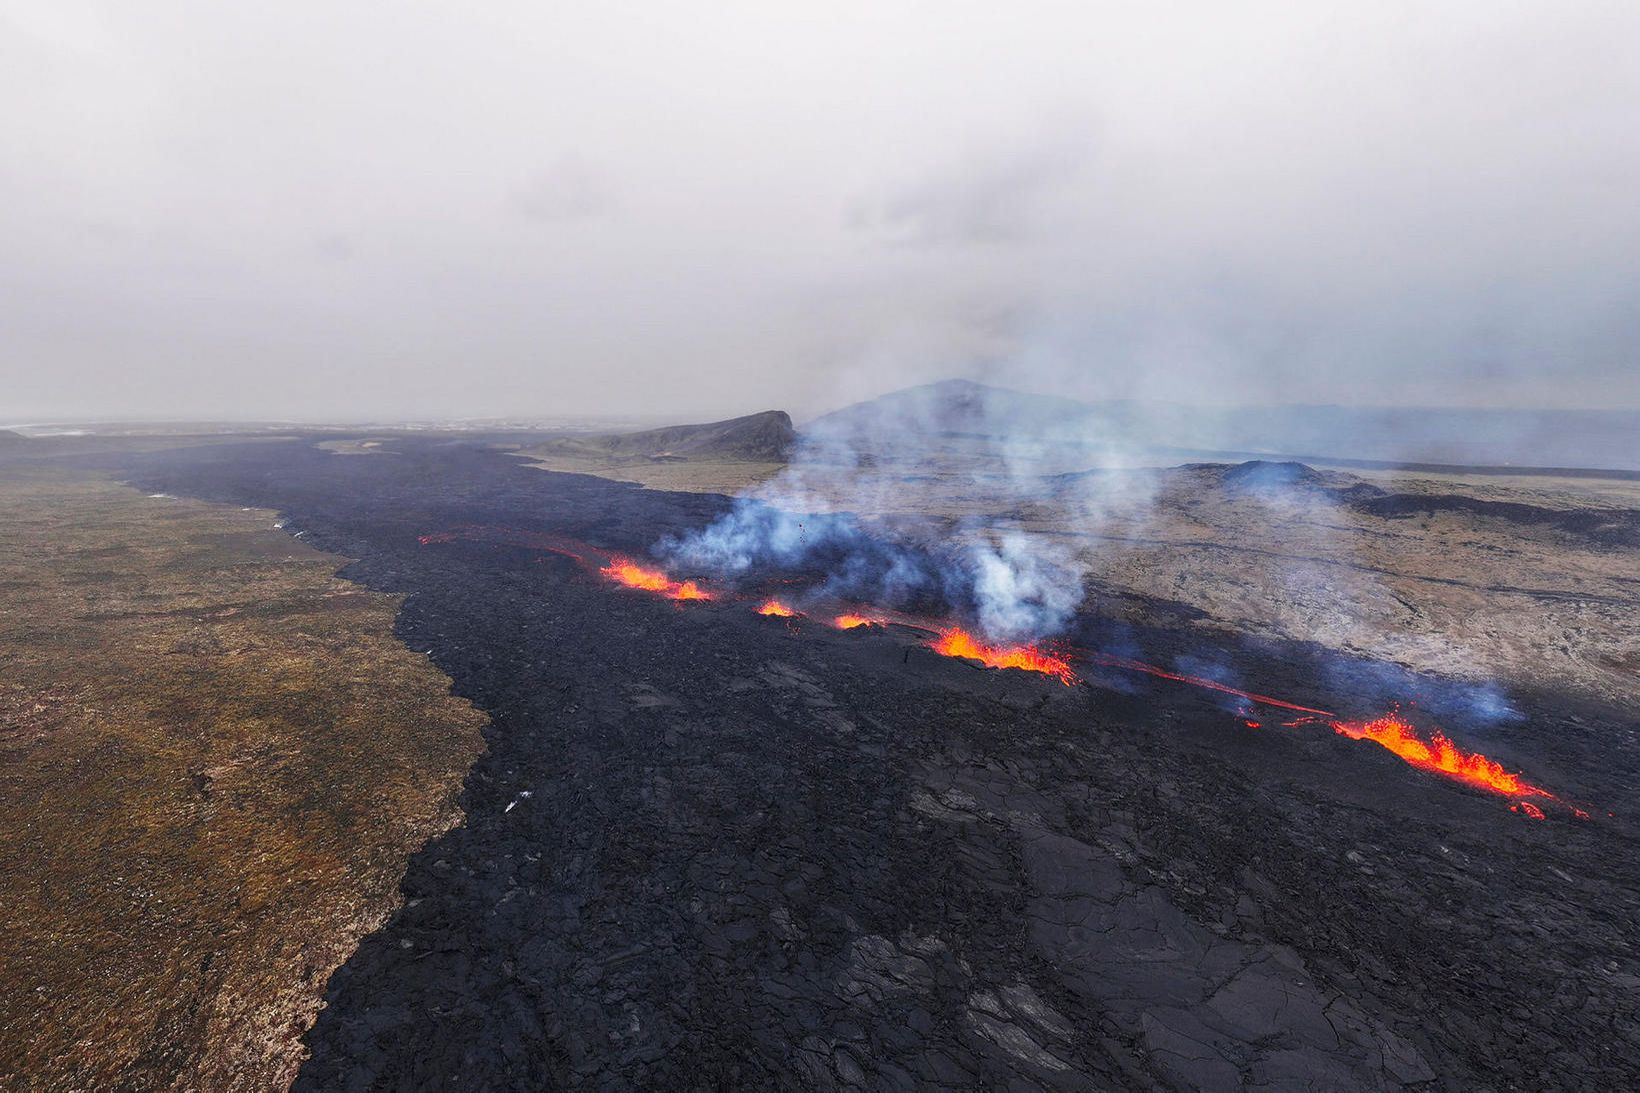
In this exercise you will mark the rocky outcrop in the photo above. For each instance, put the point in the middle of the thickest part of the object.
(767, 436)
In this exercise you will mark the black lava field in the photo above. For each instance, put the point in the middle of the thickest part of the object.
(707, 849)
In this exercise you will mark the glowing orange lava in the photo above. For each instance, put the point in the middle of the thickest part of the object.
(1431, 750)
(622, 571)
(1442, 756)
(956, 642)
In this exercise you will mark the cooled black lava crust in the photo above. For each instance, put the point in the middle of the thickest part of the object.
(711, 850)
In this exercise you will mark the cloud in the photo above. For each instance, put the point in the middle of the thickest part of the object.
(1327, 202)
(335, 248)
(985, 199)
(568, 191)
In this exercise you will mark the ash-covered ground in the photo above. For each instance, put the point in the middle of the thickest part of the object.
(707, 849)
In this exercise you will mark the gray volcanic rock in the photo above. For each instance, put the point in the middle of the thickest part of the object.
(1609, 527)
(1261, 474)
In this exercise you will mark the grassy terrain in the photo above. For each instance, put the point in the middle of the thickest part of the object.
(214, 760)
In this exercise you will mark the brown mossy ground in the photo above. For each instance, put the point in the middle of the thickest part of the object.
(215, 758)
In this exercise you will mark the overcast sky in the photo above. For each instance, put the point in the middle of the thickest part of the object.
(339, 209)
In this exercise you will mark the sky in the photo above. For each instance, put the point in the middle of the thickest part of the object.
(350, 210)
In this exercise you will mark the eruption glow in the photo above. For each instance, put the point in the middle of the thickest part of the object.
(957, 642)
(1436, 753)
(1440, 755)
(849, 622)
(625, 572)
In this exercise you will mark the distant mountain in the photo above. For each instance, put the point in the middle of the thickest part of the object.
(951, 407)
(764, 437)
(1598, 439)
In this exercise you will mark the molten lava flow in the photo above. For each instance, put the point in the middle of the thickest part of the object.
(1438, 753)
(956, 642)
(849, 622)
(622, 571)
(1442, 756)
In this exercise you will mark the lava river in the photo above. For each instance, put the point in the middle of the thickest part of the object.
(628, 573)
(1436, 753)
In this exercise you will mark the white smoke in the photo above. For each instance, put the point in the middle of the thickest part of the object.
(1023, 587)
(928, 493)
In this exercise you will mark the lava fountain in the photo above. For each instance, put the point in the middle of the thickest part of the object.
(777, 609)
(1440, 755)
(849, 622)
(625, 572)
(957, 642)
